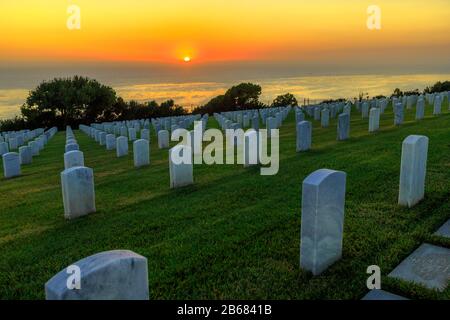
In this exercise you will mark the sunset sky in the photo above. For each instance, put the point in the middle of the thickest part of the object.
(223, 30)
(138, 46)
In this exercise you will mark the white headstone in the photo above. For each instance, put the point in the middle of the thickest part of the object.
(317, 113)
(398, 114)
(413, 170)
(322, 225)
(304, 133)
(163, 139)
(13, 144)
(141, 153)
(145, 134)
(25, 155)
(3, 148)
(181, 168)
(102, 138)
(110, 142)
(77, 185)
(109, 275)
(365, 110)
(325, 118)
(437, 105)
(299, 116)
(34, 148)
(73, 158)
(343, 126)
(132, 134)
(11, 164)
(420, 108)
(374, 119)
(121, 146)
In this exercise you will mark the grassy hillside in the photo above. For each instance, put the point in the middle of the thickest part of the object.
(233, 234)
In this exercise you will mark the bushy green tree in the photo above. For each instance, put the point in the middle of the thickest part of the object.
(65, 101)
(71, 101)
(144, 110)
(438, 87)
(17, 123)
(240, 97)
(285, 100)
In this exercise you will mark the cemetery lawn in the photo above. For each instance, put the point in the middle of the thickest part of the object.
(234, 234)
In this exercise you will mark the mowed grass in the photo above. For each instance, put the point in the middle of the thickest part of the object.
(234, 234)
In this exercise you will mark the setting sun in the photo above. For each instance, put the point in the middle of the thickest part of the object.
(187, 59)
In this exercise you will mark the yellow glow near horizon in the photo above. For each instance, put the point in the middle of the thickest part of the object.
(218, 30)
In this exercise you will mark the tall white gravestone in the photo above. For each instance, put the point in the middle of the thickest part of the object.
(374, 119)
(413, 170)
(71, 147)
(73, 158)
(437, 105)
(304, 136)
(132, 134)
(141, 153)
(163, 139)
(323, 202)
(145, 134)
(34, 148)
(121, 146)
(420, 108)
(365, 110)
(13, 144)
(181, 168)
(26, 157)
(343, 127)
(77, 185)
(398, 114)
(325, 118)
(11, 165)
(110, 142)
(250, 148)
(102, 138)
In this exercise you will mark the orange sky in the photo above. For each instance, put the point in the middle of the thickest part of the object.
(222, 30)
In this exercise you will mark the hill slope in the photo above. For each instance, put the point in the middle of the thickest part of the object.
(233, 234)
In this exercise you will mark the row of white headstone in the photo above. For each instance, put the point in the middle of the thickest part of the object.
(141, 147)
(73, 157)
(131, 128)
(180, 174)
(77, 181)
(272, 117)
(12, 161)
(322, 113)
(304, 130)
(12, 140)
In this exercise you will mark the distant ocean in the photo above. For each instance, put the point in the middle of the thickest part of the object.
(190, 89)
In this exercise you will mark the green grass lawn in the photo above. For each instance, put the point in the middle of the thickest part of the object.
(234, 234)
